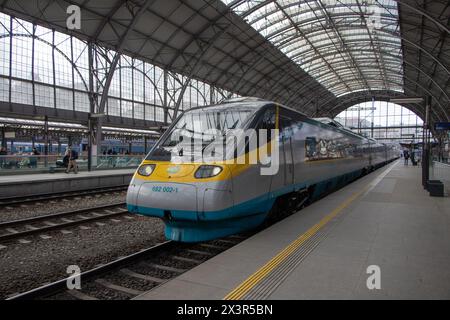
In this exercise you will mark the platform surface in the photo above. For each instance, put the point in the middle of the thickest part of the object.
(20, 178)
(384, 220)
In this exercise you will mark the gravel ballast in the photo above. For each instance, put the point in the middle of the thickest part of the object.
(60, 205)
(26, 266)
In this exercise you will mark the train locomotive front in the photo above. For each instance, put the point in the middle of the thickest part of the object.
(196, 199)
(203, 191)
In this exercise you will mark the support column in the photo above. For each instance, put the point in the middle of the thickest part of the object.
(425, 145)
(165, 104)
(46, 141)
(145, 144)
(4, 142)
(94, 123)
(94, 142)
(59, 146)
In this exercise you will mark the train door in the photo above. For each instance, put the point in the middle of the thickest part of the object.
(286, 141)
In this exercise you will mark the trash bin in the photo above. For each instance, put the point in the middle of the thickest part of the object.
(436, 188)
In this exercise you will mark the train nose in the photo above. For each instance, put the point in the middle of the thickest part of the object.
(171, 201)
(131, 199)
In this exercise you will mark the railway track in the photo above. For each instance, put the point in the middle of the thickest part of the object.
(18, 229)
(58, 196)
(130, 276)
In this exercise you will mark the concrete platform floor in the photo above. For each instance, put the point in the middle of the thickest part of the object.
(25, 185)
(19, 178)
(384, 219)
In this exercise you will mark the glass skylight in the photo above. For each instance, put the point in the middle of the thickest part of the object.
(346, 45)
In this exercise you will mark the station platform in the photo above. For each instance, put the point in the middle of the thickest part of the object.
(22, 185)
(382, 232)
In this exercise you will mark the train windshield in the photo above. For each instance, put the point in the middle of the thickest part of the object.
(194, 128)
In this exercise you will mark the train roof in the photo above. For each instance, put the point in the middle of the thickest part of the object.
(254, 102)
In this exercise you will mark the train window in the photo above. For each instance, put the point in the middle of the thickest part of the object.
(268, 122)
(286, 127)
(310, 144)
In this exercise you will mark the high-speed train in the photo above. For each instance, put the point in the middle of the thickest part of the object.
(202, 179)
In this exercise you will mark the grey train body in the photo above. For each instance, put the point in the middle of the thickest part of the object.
(314, 158)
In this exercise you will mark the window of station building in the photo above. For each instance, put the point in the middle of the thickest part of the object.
(384, 121)
(64, 99)
(4, 89)
(60, 64)
(82, 102)
(149, 112)
(4, 44)
(159, 114)
(127, 109)
(113, 107)
(44, 96)
(138, 81)
(21, 92)
(138, 111)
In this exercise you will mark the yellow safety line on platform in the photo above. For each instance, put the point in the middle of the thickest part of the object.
(259, 275)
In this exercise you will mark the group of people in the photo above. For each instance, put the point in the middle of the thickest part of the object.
(407, 154)
(114, 152)
(70, 160)
(30, 161)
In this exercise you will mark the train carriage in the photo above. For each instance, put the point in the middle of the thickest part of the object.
(209, 192)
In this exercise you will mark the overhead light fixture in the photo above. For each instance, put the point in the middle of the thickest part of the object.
(406, 100)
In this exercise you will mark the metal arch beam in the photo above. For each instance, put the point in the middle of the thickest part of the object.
(145, 76)
(341, 40)
(349, 102)
(292, 4)
(226, 55)
(306, 21)
(55, 48)
(178, 29)
(107, 18)
(327, 111)
(203, 51)
(330, 100)
(308, 53)
(300, 32)
(282, 72)
(345, 104)
(416, 46)
(397, 35)
(412, 44)
(349, 99)
(210, 24)
(401, 2)
(420, 71)
(429, 17)
(274, 63)
(119, 49)
(254, 64)
(262, 77)
(444, 111)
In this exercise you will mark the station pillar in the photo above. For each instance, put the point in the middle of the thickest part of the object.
(94, 143)
(4, 142)
(426, 144)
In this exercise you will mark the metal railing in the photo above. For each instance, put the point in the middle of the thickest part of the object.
(16, 164)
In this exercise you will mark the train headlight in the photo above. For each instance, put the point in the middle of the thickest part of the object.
(207, 171)
(146, 169)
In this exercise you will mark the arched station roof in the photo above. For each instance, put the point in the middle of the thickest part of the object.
(315, 55)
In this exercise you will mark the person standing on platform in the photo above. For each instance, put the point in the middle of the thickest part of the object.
(3, 152)
(406, 156)
(73, 156)
(34, 158)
